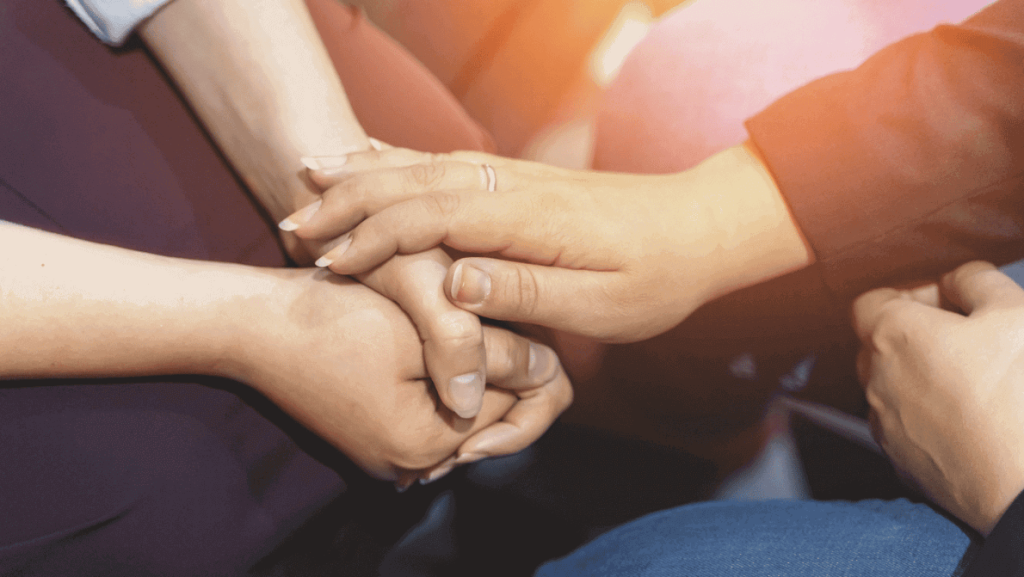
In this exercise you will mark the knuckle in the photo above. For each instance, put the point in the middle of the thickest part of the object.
(564, 397)
(429, 175)
(459, 332)
(414, 449)
(892, 328)
(522, 291)
(501, 358)
(441, 205)
(357, 189)
(875, 402)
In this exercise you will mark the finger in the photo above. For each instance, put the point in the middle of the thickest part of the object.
(328, 171)
(405, 480)
(525, 422)
(470, 221)
(453, 346)
(575, 301)
(979, 285)
(885, 318)
(378, 145)
(516, 363)
(293, 221)
(927, 294)
(366, 193)
(869, 309)
(437, 472)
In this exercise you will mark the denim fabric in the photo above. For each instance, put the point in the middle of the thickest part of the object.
(776, 539)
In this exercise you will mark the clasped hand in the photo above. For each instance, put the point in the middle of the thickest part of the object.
(617, 257)
(943, 369)
(348, 364)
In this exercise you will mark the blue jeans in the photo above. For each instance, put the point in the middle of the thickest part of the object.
(777, 539)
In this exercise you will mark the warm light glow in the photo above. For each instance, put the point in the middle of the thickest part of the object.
(629, 28)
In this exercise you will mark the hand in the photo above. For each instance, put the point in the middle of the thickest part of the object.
(611, 256)
(453, 345)
(946, 389)
(268, 93)
(348, 364)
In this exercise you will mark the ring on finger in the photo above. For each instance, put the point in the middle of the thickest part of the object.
(491, 177)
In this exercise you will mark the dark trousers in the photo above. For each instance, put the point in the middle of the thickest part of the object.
(165, 476)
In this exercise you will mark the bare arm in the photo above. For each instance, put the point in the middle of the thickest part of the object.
(261, 81)
(258, 76)
(78, 309)
(308, 340)
(633, 254)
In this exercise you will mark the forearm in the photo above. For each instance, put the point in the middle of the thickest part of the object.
(752, 236)
(259, 78)
(77, 309)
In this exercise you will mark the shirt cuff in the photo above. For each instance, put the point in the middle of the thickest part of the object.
(1003, 552)
(113, 20)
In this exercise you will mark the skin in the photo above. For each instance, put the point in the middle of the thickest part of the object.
(635, 254)
(614, 257)
(268, 94)
(945, 387)
(943, 369)
(338, 357)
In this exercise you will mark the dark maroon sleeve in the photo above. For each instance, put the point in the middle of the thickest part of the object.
(1003, 552)
(914, 162)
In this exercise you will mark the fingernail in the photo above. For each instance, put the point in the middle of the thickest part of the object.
(403, 486)
(488, 439)
(467, 458)
(470, 285)
(299, 217)
(323, 162)
(335, 252)
(376, 144)
(437, 473)
(542, 363)
(466, 393)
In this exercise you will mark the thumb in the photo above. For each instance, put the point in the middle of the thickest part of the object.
(575, 301)
(978, 285)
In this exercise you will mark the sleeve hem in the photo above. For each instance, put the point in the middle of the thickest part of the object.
(113, 21)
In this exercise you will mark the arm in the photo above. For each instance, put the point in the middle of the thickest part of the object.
(913, 163)
(634, 254)
(308, 341)
(78, 309)
(898, 170)
(261, 81)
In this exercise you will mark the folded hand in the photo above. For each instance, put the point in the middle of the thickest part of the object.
(946, 388)
(612, 256)
(348, 364)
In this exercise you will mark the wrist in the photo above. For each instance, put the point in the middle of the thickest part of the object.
(999, 492)
(243, 315)
(79, 309)
(752, 234)
(259, 78)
